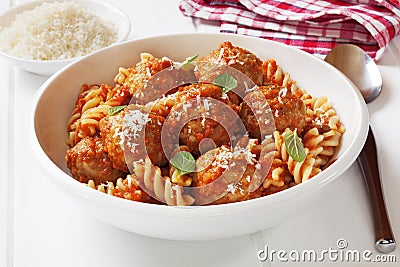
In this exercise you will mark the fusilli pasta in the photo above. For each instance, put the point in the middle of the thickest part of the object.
(162, 187)
(274, 74)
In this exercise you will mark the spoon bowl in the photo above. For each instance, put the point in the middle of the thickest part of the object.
(359, 68)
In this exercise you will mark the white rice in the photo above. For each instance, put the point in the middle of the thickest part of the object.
(56, 30)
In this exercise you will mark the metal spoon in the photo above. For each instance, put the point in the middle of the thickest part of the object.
(353, 62)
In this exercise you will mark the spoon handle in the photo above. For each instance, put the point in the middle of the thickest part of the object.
(368, 162)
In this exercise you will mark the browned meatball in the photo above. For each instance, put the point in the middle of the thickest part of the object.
(230, 174)
(153, 143)
(199, 117)
(197, 130)
(240, 191)
(233, 56)
(112, 129)
(88, 160)
(137, 76)
(195, 90)
(287, 109)
(118, 96)
(210, 166)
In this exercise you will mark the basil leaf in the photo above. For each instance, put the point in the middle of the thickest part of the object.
(226, 81)
(294, 146)
(115, 110)
(183, 162)
(188, 61)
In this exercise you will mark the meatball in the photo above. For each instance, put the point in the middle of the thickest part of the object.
(136, 77)
(240, 191)
(233, 56)
(210, 167)
(118, 96)
(88, 160)
(114, 127)
(110, 127)
(153, 143)
(287, 109)
(225, 176)
(196, 90)
(195, 131)
(198, 117)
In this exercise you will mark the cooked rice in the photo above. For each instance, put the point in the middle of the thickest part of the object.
(56, 30)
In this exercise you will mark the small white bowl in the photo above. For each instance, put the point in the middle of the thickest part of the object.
(49, 67)
(52, 110)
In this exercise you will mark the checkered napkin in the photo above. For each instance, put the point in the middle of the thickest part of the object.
(313, 26)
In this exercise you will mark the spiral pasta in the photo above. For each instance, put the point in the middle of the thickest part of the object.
(279, 176)
(162, 187)
(277, 171)
(312, 140)
(83, 121)
(268, 159)
(321, 109)
(302, 171)
(127, 188)
(274, 74)
(280, 145)
(93, 104)
(330, 144)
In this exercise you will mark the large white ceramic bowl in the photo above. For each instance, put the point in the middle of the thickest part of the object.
(55, 101)
(49, 67)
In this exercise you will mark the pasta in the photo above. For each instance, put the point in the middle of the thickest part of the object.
(164, 190)
(195, 140)
(274, 74)
(301, 171)
(278, 173)
(127, 188)
(92, 105)
(83, 121)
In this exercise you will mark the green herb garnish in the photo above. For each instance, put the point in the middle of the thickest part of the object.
(115, 110)
(226, 81)
(294, 146)
(183, 162)
(188, 62)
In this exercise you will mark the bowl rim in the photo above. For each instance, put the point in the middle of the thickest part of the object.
(325, 177)
(19, 8)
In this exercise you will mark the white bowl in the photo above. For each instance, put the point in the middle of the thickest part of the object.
(49, 67)
(53, 109)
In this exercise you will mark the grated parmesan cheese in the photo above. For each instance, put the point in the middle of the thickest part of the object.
(56, 31)
(134, 123)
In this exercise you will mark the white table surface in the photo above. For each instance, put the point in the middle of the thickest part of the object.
(40, 227)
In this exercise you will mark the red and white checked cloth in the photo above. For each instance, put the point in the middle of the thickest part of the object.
(313, 26)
